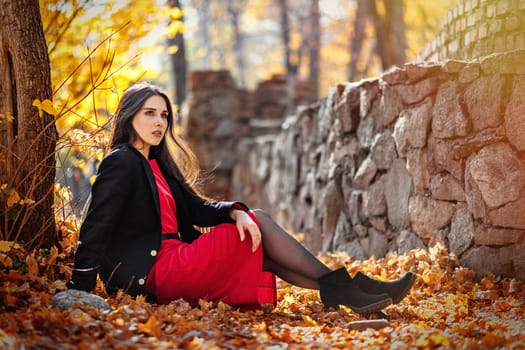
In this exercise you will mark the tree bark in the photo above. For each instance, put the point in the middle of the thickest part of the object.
(27, 163)
(178, 61)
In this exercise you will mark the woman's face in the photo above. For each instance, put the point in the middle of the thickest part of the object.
(150, 123)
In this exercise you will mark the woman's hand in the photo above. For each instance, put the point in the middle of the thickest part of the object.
(246, 224)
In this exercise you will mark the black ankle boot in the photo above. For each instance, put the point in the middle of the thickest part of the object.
(396, 289)
(338, 288)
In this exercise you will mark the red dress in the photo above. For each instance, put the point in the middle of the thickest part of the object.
(217, 266)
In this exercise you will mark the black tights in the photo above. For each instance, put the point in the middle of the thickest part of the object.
(286, 257)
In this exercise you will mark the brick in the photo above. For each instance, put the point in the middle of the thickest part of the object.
(495, 25)
(483, 31)
(468, 5)
(453, 46)
(491, 10)
(502, 8)
(499, 43)
(512, 23)
(520, 41)
(510, 42)
(471, 20)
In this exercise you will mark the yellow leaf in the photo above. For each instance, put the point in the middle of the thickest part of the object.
(6, 246)
(8, 117)
(173, 49)
(309, 321)
(175, 13)
(45, 106)
(13, 199)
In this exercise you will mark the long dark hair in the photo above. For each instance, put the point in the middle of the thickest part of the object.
(172, 154)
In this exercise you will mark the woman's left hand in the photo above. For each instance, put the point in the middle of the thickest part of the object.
(246, 224)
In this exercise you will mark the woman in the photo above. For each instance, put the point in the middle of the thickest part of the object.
(140, 231)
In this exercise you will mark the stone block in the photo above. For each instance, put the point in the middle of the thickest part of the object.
(497, 236)
(374, 203)
(448, 188)
(483, 260)
(461, 231)
(412, 127)
(448, 119)
(484, 115)
(365, 173)
(441, 154)
(514, 116)
(417, 166)
(383, 150)
(510, 215)
(469, 73)
(390, 105)
(414, 93)
(398, 188)
(408, 240)
(427, 215)
(498, 173)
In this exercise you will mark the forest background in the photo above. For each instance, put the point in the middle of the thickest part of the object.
(98, 47)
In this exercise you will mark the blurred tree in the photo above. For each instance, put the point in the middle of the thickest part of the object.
(314, 43)
(177, 50)
(235, 10)
(356, 43)
(203, 11)
(389, 28)
(28, 134)
(388, 32)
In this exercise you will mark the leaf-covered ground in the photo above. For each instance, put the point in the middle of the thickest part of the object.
(447, 308)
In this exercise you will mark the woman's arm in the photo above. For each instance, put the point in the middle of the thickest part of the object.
(109, 194)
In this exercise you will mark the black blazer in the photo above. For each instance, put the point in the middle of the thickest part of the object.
(120, 235)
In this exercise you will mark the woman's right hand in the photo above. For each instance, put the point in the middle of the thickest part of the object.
(245, 224)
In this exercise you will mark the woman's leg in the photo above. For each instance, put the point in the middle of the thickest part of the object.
(287, 257)
(288, 275)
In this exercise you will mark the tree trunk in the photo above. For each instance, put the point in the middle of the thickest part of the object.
(314, 43)
(291, 69)
(356, 43)
(203, 12)
(387, 40)
(27, 163)
(397, 32)
(238, 48)
(178, 60)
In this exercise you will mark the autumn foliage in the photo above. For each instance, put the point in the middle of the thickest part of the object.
(447, 308)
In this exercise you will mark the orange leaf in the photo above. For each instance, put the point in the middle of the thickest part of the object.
(493, 340)
(32, 264)
(13, 199)
(151, 327)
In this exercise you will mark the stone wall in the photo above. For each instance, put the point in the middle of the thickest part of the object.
(426, 153)
(222, 116)
(476, 28)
